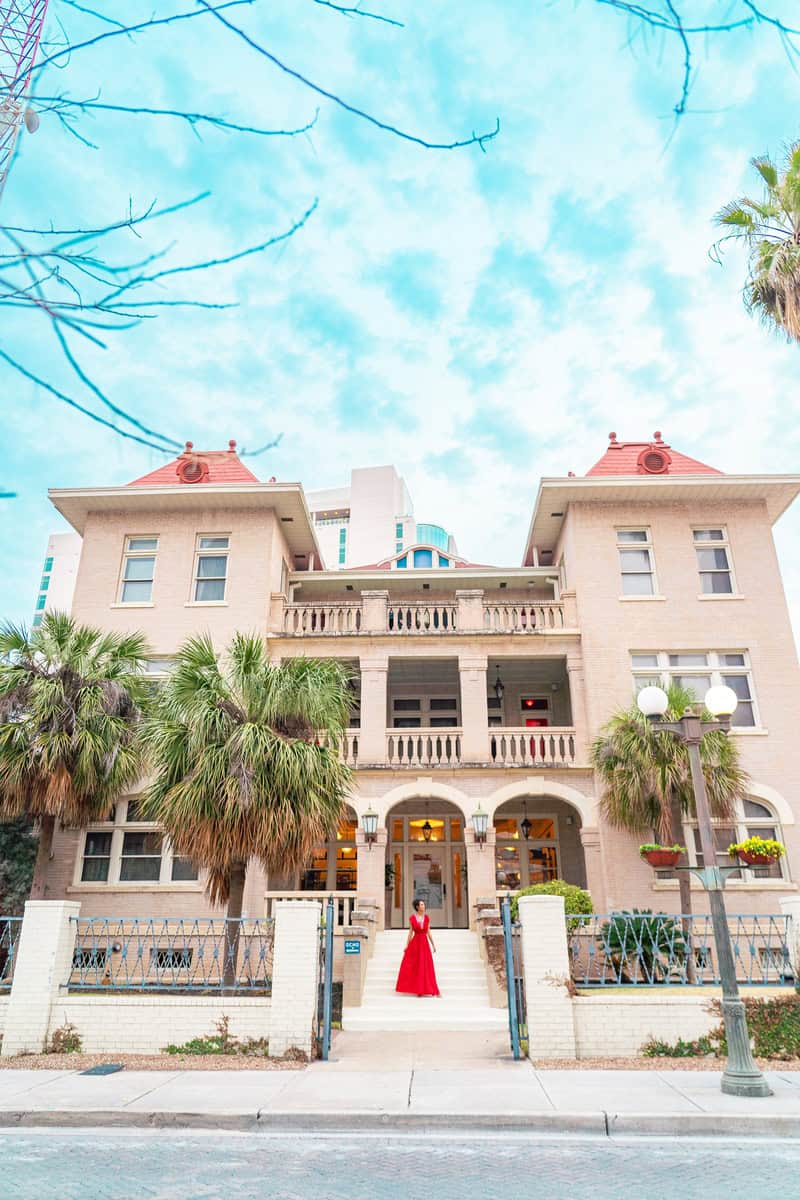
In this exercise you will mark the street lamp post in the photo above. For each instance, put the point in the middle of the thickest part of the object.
(741, 1076)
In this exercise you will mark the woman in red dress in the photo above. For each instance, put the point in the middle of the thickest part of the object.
(417, 976)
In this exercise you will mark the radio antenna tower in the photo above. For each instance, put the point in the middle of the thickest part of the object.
(21, 23)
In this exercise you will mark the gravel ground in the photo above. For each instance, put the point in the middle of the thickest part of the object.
(656, 1064)
(149, 1062)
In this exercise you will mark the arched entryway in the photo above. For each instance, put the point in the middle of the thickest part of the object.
(538, 839)
(426, 859)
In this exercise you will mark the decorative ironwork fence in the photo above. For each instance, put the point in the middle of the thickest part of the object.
(10, 928)
(642, 948)
(515, 981)
(172, 954)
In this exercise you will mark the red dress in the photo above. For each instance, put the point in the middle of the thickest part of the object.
(417, 976)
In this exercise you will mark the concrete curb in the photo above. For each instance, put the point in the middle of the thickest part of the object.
(598, 1124)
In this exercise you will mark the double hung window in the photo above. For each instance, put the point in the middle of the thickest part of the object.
(211, 568)
(635, 550)
(713, 561)
(138, 570)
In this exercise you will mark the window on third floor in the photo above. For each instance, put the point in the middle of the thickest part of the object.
(635, 550)
(713, 561)
(138, 570)
(211, 568)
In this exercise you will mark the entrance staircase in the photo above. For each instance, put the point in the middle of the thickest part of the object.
(461, 974)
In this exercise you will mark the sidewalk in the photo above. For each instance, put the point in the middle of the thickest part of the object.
(408, 1084)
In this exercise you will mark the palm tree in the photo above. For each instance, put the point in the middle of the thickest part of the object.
(647, 779)
(770, 228)
(70, 704)
(246, 762)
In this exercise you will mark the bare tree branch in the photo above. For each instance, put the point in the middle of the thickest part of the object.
(475, 140)
(357, 11)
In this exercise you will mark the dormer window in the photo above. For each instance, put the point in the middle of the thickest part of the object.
(420, 558)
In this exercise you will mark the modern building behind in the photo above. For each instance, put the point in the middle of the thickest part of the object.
(59, 573)
(370, 520)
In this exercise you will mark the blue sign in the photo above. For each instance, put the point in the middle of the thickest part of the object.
(352, 946)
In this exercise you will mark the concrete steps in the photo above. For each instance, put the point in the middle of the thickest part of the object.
(461, 974)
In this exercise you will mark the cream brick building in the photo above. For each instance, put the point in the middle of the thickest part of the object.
(477, 686)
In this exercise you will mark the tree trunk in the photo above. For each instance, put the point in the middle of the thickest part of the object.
(233, 925)
(684, 888)
(47, 827)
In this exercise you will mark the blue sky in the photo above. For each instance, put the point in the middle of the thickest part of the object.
(479, 319)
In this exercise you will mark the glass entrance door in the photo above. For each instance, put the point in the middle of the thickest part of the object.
(429, 880)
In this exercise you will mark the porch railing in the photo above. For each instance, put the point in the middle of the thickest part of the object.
(344, 903)
(423, 747)
(421, 618)
(549, 747)
(311, 619)
(10, 928)
(643, 949)
(508, 617)
(172, 954)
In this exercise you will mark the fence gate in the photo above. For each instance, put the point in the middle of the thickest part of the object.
(325, 995)
(515, 983)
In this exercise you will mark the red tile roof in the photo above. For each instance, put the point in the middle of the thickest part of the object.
(647, 458)
(215, 466)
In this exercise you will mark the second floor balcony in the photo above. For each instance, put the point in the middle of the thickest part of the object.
(447, 713)
(528, 606)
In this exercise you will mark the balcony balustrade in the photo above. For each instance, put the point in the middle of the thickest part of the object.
(423, 747)
(420, 618)
(547, 747)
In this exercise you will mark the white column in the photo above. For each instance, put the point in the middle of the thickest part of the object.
(295, 976)
(372, 736)
(42, 966)
(545, 962)
(474, 708)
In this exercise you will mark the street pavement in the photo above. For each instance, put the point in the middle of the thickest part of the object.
(176, 1165)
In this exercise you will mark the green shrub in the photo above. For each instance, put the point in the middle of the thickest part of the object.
(64, 1040)
(680, 1049)
(773, 1023)
(576, 899)
(222, 1042)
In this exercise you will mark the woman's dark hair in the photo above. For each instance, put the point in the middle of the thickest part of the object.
(416, 905)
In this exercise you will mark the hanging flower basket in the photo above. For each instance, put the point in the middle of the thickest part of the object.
(757, 852)
(661, 857)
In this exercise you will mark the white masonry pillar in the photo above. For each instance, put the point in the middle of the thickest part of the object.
(42, 966)
(545, 963)
(295, 976)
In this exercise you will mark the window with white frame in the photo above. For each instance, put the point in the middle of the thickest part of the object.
(127, 849)
(752, 818)
(713, 561)
(138, 570)
(699, 670)
(211, 568)
(635, 550)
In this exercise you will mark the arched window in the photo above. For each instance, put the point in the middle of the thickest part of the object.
(423, 558)
(752, 818)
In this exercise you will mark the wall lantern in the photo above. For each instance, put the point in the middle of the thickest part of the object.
(427, 830)
(480, 824)
(369, 823)
(499, 689)
(525, 826)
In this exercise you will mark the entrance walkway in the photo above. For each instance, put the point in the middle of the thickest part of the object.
(460, 970)
(439, 1050)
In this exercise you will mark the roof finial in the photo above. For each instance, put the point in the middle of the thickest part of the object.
(612, 437)
(232, 445)
(658, 435)
(189, 446)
